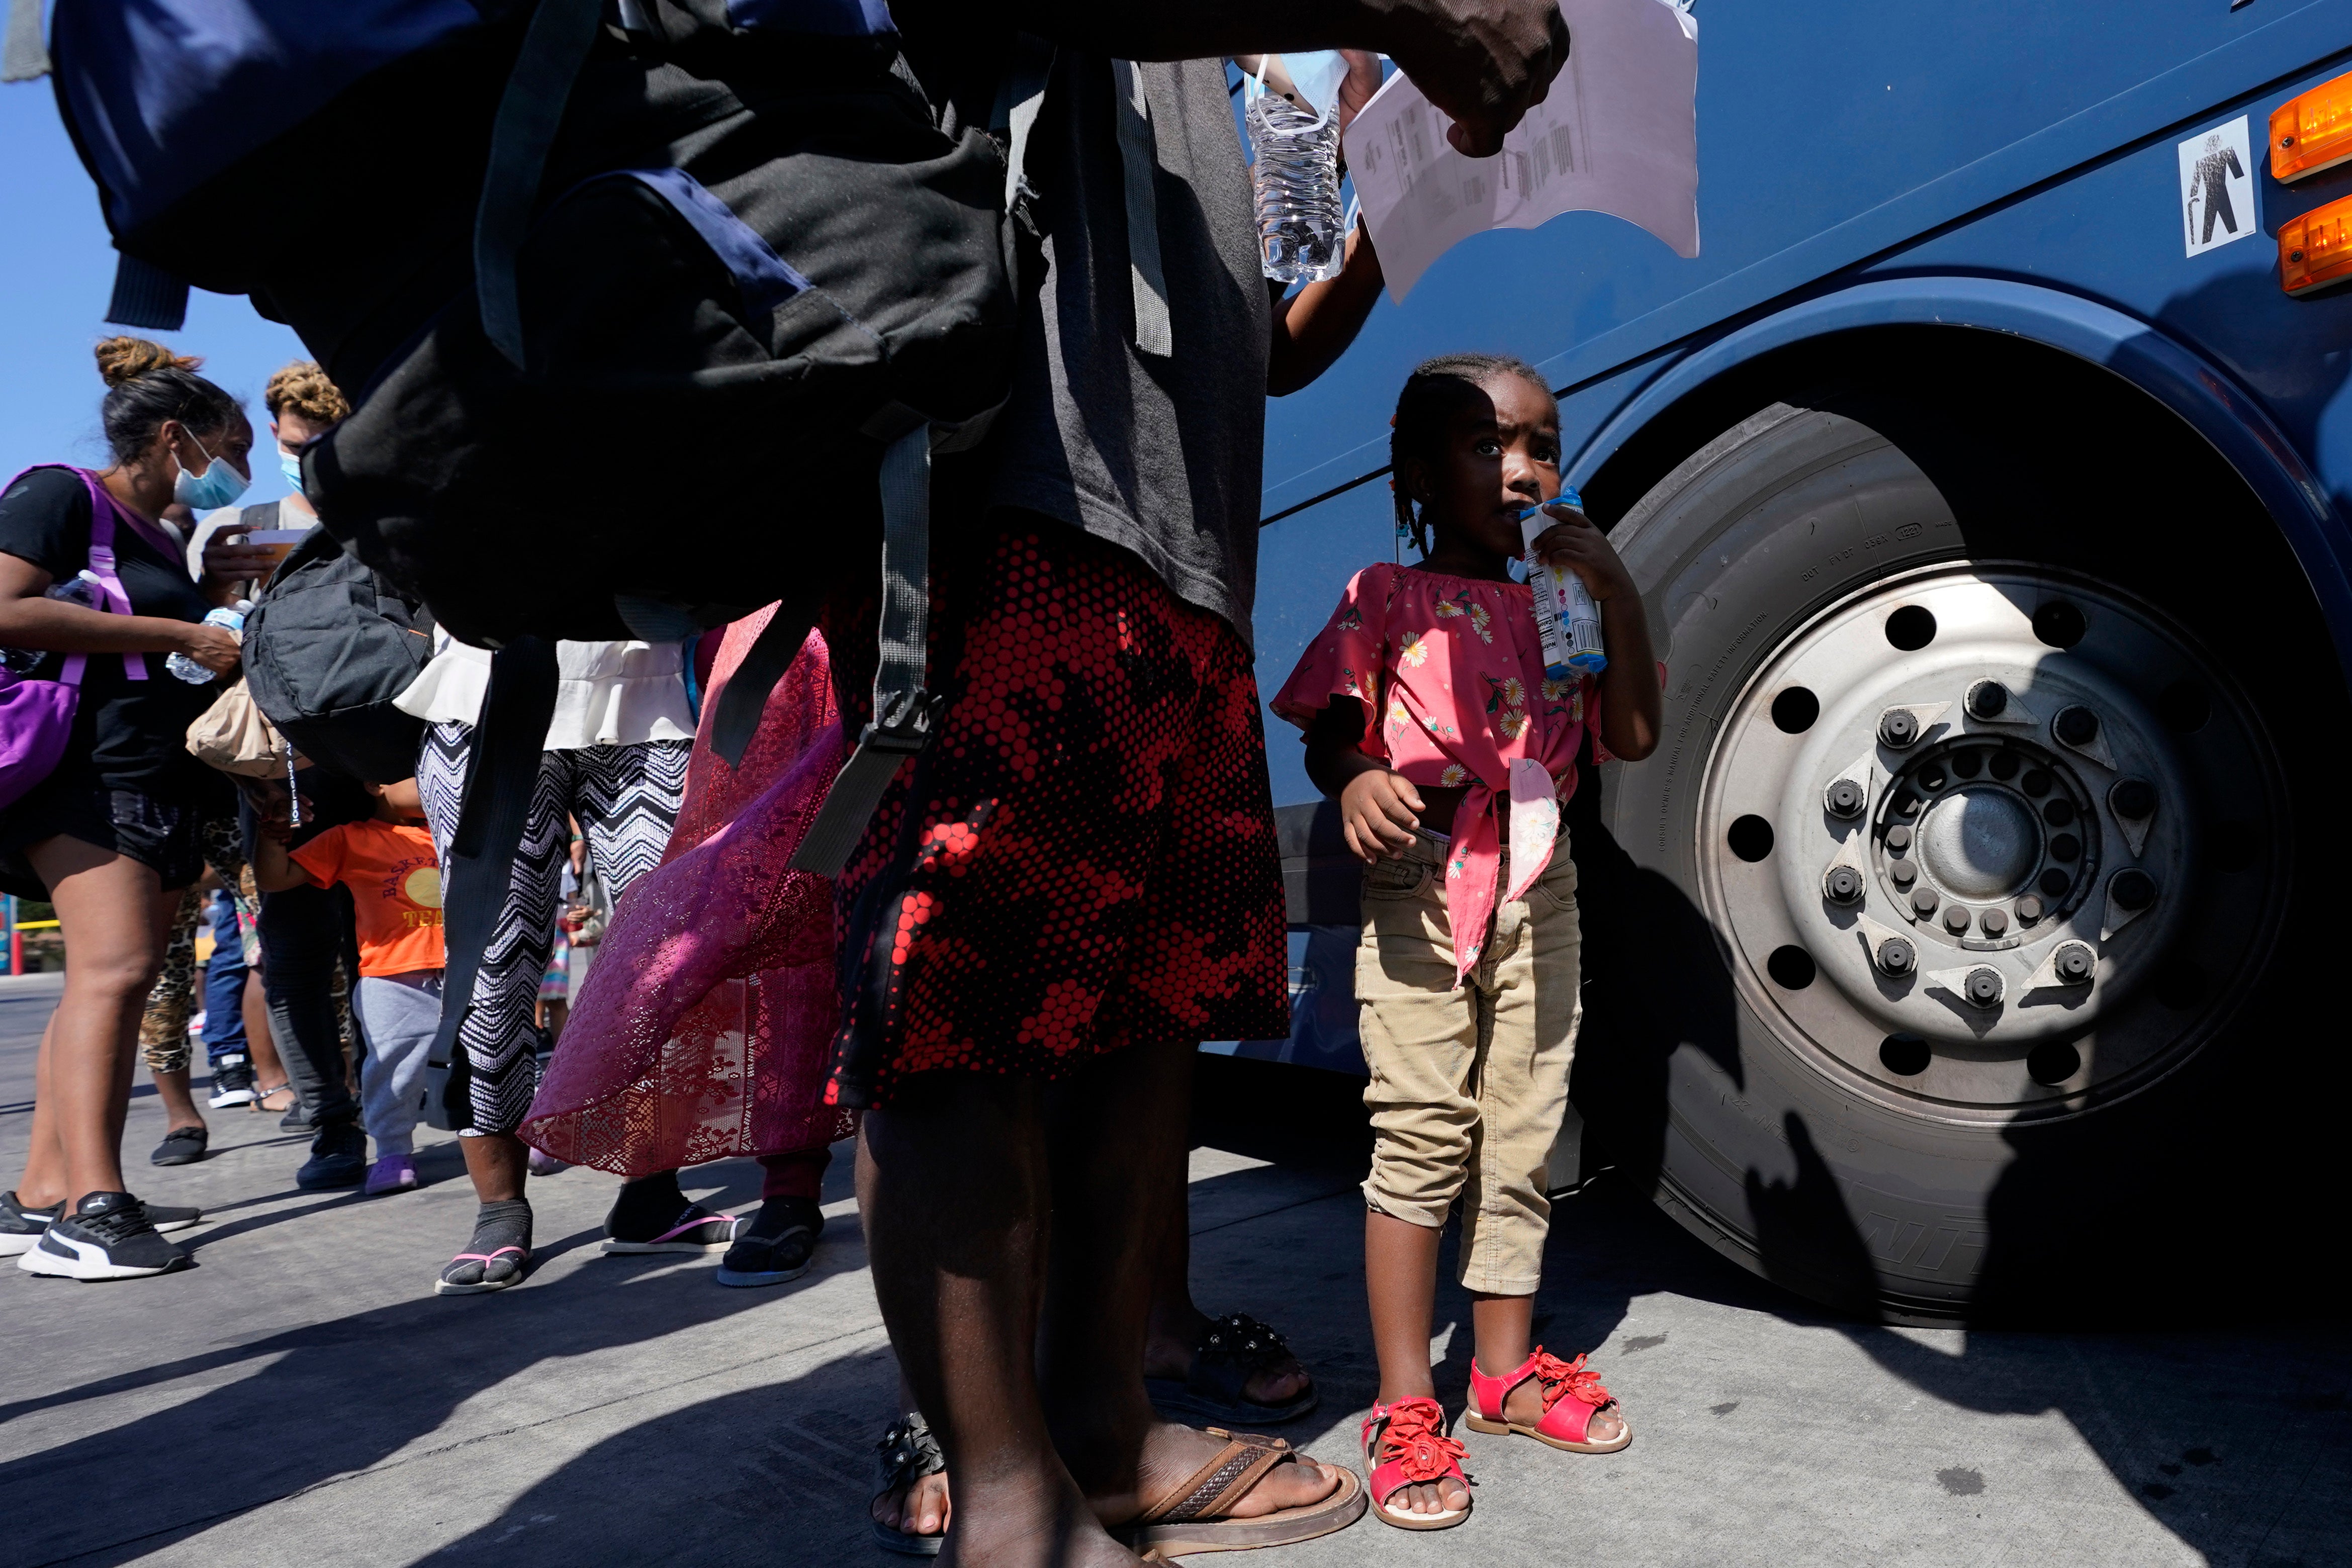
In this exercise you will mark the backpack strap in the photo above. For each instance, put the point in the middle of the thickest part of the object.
(1139, 164)
(905, 715)
(743, 700)
(561, 33)
(102, 567)
(499, 778)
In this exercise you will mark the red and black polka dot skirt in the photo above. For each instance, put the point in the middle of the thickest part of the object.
(1091, 860)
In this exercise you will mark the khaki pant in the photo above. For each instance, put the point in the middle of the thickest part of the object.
(1469, 1086)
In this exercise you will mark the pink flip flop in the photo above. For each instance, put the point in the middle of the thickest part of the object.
(445, 1286)
(698, 1230)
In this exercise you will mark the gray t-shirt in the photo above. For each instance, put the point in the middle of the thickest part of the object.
(1161, 456)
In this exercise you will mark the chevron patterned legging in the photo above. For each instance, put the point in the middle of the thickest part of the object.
(625, 799)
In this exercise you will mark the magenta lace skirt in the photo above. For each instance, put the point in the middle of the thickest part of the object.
(704, 1028)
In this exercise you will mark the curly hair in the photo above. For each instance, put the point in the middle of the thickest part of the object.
(1438, 390)
(303, 387)
(147, 384)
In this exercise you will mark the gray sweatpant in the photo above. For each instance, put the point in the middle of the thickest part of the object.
(399, 1014)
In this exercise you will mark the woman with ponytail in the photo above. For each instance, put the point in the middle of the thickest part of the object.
(95, 592)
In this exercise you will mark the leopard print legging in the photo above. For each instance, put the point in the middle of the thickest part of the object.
(164, 1030)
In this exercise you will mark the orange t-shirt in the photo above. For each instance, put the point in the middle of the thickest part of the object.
(396, 885)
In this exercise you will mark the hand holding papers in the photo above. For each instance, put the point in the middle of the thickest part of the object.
(1618, 134)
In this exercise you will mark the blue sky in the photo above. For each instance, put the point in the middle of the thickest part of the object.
(57, 268)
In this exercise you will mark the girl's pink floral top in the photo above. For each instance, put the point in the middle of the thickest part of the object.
(1450, 674)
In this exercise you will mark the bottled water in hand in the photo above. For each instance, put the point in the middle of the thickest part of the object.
(230, 616)
(1301, 228)
(83, 588)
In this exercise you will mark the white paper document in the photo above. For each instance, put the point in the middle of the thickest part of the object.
(1618, 134)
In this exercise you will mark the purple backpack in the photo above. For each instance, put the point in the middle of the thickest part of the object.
(36, 716)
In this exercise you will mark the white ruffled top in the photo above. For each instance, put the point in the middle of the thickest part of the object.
(607, 694)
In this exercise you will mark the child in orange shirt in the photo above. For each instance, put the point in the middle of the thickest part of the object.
(388, 863)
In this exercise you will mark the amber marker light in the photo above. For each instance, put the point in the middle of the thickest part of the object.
(2312, 131)
(2316, 249)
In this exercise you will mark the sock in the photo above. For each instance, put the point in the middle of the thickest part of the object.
(800, 1174)
(502, 1224)
(647, 1207)
(778, 1215)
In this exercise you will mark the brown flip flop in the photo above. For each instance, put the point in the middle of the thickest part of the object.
(1190, 1516)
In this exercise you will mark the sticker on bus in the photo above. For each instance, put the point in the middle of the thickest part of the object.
(2217, 187)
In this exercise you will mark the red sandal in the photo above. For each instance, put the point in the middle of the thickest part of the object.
(1572, 1394)
(1405, 1445)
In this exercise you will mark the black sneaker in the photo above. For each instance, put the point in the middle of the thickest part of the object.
(338, 1159)
(232, 1083)
(21, 1226)
(107, 1237)
(779, 1243)
(296, 1120)
(182, 1146)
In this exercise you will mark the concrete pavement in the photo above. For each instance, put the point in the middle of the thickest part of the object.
(300, 1398)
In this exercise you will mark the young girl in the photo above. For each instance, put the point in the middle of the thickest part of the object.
(1430, 719)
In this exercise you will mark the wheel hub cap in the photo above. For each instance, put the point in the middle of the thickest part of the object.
(1911, 847)
(1980, 843)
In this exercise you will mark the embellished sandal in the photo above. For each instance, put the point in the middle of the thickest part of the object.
(260, 1102)
(1572, 1395)
(1405, 1445)
(1230, 1352)
(907, 1453)
(1191, 1515)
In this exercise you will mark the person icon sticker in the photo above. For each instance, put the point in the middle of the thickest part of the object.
(2216, 194)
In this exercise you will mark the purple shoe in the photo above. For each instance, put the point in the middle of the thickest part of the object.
(394, 1173)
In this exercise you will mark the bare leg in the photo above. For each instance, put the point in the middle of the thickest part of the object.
(496, 1162)
(179, 1104)
(1116, 1129)
(952, 1182)
(115, 918)
(1401, 1281)
(1176, 1324)
(43, 1182)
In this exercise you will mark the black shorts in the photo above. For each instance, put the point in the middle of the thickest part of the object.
(165, 835)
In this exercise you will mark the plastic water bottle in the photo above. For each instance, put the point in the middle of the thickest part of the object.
(230, 616)
(1301, 227)
(1566, 616)
(82, 588)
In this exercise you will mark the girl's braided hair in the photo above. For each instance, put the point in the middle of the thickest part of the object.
(1434, 394)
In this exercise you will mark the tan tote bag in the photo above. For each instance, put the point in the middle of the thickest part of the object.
(235, 736)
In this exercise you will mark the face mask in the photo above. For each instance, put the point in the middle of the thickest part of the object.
(291, 464)
(218, 485)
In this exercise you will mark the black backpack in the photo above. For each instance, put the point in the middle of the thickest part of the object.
(328, 645)
(651, 320)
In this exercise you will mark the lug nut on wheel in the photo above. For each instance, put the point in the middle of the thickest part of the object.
(2029, 909)
(1994, 922)
(1897, 955)
(1955, 919)
(2132, 798)
(1899, 838)
(1845, 798)
(1982, 987)
(1898, 728)
(2075, 726)
(2132, 889)
(2073, 964)
(1923, 899)
(1843, 885)
(1988, 700)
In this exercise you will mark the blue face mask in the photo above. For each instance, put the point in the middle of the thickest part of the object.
(218, 485)
(291, 464)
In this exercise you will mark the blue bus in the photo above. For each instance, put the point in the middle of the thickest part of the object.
(1961, 950)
